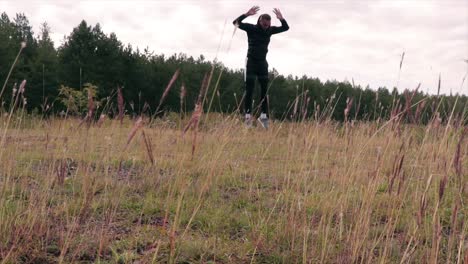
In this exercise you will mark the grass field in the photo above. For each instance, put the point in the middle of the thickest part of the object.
(309, 192)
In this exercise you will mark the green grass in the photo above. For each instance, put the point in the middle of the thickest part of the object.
(299, 192)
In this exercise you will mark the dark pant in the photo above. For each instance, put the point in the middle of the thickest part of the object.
(256, 69)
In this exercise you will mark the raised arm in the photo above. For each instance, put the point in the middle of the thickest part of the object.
(246, 26)
(284, 24)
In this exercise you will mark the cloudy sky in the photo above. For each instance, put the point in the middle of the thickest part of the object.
(343, 40)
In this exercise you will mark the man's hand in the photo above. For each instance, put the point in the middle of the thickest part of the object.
(278, 13)
(252, 11)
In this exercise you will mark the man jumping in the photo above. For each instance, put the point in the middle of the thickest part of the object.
(257, 66)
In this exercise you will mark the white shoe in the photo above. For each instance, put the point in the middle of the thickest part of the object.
(248, 122)
(263, 121)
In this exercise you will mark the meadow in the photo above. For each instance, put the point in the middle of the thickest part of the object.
(315, 191)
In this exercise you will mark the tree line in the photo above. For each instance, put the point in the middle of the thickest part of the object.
(58, 80)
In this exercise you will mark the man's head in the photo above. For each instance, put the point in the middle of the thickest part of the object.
(264, 21)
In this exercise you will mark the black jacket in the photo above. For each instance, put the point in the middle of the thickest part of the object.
(258, 37)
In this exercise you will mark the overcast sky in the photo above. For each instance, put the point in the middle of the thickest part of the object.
(343, 40)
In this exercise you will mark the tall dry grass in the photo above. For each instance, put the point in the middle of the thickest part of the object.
(314, 191)
(310, 192)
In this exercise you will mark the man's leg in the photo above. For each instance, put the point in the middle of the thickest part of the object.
(250, 77)
(249, 87)
(263, 95)
(263, 80)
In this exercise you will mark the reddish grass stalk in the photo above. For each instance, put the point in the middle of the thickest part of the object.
(437, 236)
(457, 159)
(183, 92)
(91, 107)
(442, 184)
(120, 104)
(18, 94)
(138, 124)
(145, 107)
(436, 121)
(408, 99)
(438, 85)
(453, 230)
(61, 172)
(423, 203)
(22, 87)
(148, 145)
(397, 169)
(198, 106)
(197, 116)
(401, 61)
(419, 109)
(102, 118)
(304, 113)
(296, 102)
(195, 120)
(168, 88)
(396, 116)
(349, 103)
(317, 112)
(401, 174)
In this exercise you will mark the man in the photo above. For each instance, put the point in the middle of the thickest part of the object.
(257, 66)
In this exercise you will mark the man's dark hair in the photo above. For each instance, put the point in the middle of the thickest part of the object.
(264, 16)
